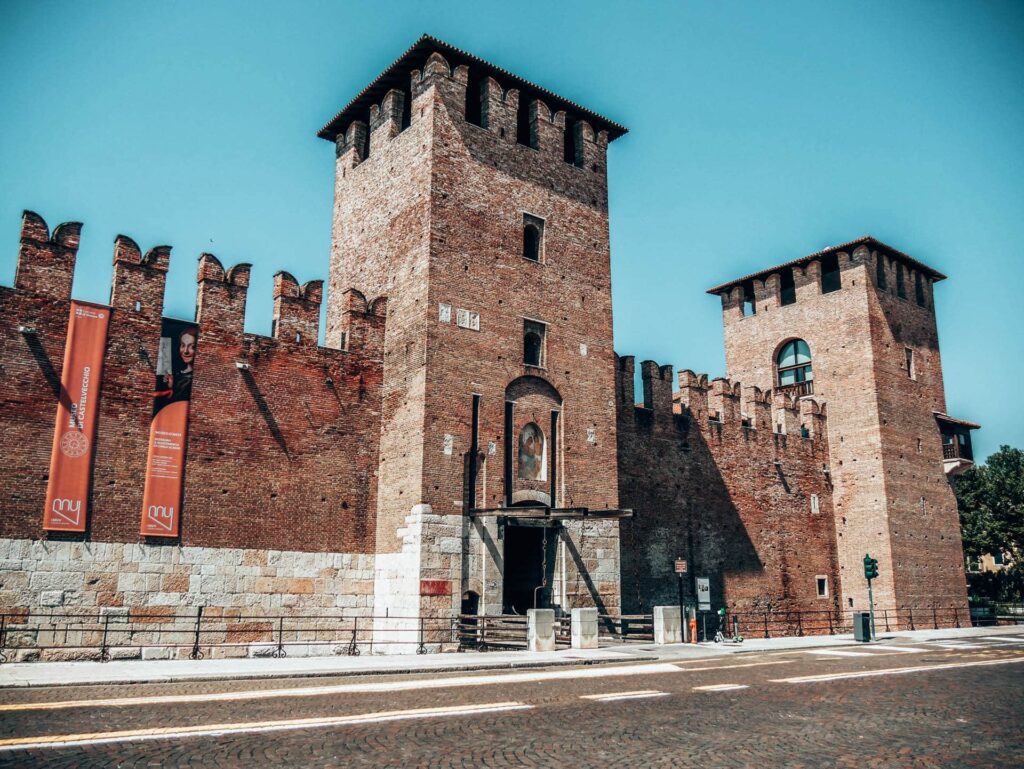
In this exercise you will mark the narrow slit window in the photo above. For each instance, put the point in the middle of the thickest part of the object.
(524, 131)
(919, 289)
(880, 271)
(787, 287)
(901, 282)
(822, 586)
(749, 300)
(911, 371)
(474, 97)
(571, 151)
(830, 280)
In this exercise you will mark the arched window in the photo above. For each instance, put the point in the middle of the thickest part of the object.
(533, 237)
(794, 363)
(532, 454)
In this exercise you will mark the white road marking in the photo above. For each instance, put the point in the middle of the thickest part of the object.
(958, 645)
(216, 730)
(720, 687)
(638, 695)
(365, 688)
(907, 649)
(839, 653)
(1003, 639)
(892, 671)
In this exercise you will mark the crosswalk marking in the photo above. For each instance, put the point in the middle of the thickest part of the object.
(720, 687)
(839, 653)
(893, 671)
(210, 730)
(610, 697)
(905, 649)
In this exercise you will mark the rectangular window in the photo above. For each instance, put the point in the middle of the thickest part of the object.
(787, 287)
(911, 372)
(830, 280)
(997, 558)
(919, 289)
(822, 586)
(880, 271)
(534, 338)
(901, 282)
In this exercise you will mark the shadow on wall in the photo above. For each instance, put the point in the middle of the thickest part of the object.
(683, 508)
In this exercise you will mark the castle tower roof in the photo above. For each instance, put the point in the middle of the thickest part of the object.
(865, 240)
(397, 76)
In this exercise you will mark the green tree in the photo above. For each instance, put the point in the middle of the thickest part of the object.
(991, 502)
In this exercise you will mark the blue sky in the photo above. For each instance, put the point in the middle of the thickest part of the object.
(758, 132)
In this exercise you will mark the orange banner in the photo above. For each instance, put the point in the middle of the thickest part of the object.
(67, 491)
(168, 432)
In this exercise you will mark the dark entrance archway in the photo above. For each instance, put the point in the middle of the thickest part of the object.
(524, 567)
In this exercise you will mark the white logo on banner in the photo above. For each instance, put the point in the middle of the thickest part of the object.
(161, 516)
(74, 444)
(67, 510)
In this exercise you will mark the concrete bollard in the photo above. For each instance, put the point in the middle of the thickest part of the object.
(540, 630)
(584, 628)
(668, 626)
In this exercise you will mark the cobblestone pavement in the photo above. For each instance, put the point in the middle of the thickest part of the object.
(953, 705)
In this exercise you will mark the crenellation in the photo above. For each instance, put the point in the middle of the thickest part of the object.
(498, 108)
(624, 379)
(296, 309)
(46, 263)
(724, 400)
(220, 299)
(139, 280)
(386, 119)
(657, 383)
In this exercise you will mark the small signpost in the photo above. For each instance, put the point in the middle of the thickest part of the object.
(680, 568)
(703, 593)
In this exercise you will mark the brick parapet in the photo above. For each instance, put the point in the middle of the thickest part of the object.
(283, 437)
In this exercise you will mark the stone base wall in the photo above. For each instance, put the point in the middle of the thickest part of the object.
(73, 576)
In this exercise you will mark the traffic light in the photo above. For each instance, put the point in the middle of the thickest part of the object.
(870, 567)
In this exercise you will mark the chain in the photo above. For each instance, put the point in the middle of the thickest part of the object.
(544, 550)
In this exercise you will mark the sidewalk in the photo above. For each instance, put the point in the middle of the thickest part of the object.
(22, 674)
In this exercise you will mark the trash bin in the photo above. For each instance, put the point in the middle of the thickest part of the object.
(861, 626)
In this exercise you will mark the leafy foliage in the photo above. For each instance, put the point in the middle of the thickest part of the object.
(991, 502)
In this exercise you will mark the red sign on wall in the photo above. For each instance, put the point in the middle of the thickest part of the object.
(168, 432)
(67, 491)
(435, 587)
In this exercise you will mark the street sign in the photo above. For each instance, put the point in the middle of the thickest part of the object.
(680, 566)
(703, 593)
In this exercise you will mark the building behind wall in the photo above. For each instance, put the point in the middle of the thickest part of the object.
(467, 439)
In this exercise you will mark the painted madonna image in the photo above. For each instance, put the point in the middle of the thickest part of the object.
(532, 463)
(174, 365)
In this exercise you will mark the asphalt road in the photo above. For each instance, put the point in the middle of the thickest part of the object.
(927, 704)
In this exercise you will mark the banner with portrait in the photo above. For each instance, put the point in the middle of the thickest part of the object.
(67, 490)
(168, 432)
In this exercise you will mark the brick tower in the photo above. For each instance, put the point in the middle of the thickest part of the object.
(476, 202)
(854, 325)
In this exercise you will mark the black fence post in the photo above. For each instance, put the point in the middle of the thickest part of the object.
(911, 613)
(956, 616)
(279, 651)
(799, 624)
(885, 613)
(197, 653)
(353, 648)
(421, 649)
(831, 630)
(104, 650)
(3, 638)
(766, 625)
(935, 618)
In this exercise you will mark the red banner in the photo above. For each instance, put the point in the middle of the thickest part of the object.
(168, 432)
(67, 491)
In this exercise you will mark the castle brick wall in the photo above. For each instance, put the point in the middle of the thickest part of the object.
(281, 455)
(733, 499)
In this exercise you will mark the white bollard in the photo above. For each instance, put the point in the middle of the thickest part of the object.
(668, 625)
(584, 628)
(540, 630)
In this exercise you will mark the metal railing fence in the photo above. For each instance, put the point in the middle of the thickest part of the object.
(104, 634)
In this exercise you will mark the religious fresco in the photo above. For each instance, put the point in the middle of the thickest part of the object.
(532, 465)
